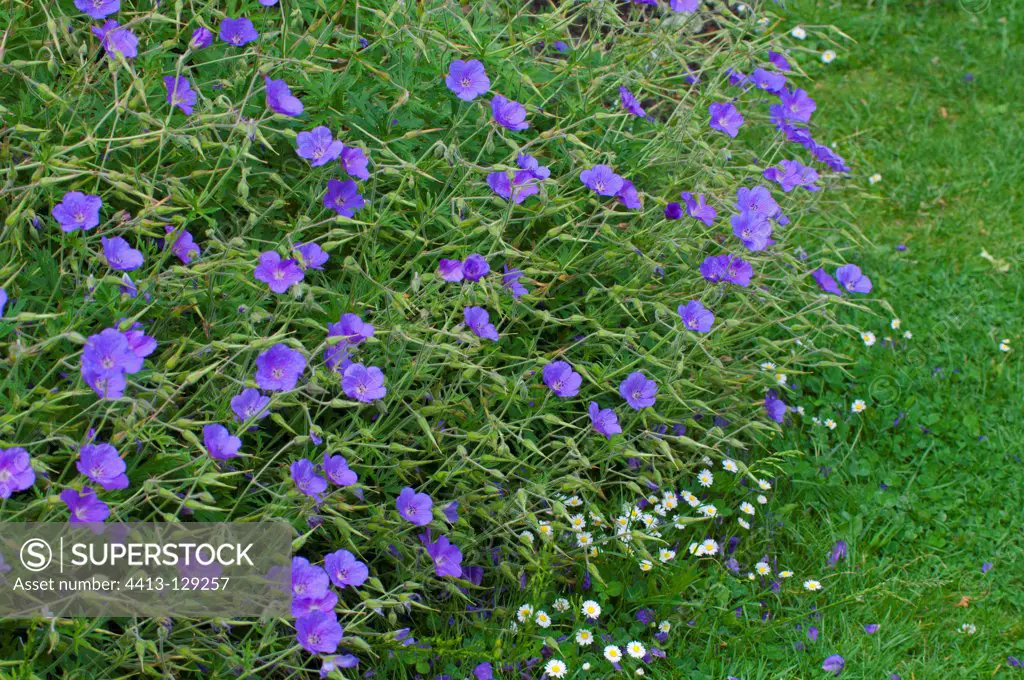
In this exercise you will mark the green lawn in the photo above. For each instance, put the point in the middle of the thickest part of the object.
(928, 95)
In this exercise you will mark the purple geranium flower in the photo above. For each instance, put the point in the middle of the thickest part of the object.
(833, 664)
(673, 211)
(774, 407)
(509, 189)
(415, 507)
(356, 162)
(561, 379)
(509, 114)
(318, 146)
(120, 255)
(446, 556)
(602, 180)
(351, 327)
(102, 465)
(629, 196)
(180, 93)
(725, 118)
(16, 472)
(479, 321)
(365, 384)
(343, 197)
(98, 9)
(202, 38)
(3, 300)
(451, 512)
(116, 40)
(630, 103)
(278, 368)
(184, 246)
(311, 255)
(307, 605)
(280, 98)
(839, 552)
(220, 443)
(77, 211)
(561, 46)
(475, 267)
(757, 201)
(779, 61)
(753, 230)
(250, 404)
(797, 105)
(826, 282)
(696, 317)
(605, 421)
(698, 209)
(85, 506)
(871, 628)
(483, 671)
(237, 32)
(510, 280)
(306, 479)
(337, 470)
(726, 268)
(467, 79)
(319, 632)
(450, 270)
(279, 274)
(638, 390)
(767, 80)
(308, 580)
(345, 570)
(688, 6)
(108, 356)
(852, 279)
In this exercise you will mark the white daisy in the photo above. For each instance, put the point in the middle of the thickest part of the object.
(781, 378)
(762, 499)
(969, 629)
(868, 337)
(524, 613)
(799, 33)
(785, 574)
(828, 56)
(543, 620)
(646, 565)
(636, 650)
(812, 585)
(730, 465)
(664, 626)
(544, 529)
(708, 510)
(574, 502)
(830, 424)
(908, 335)
(858, 406)
(895, 324)
(705, 478)
(1004, 345)
(875, 178)
(708, 547)
(584, 638)
(747, 508)
(613, 653)
(664, 554)
(556, 668)
(590, 609)
(763, 569)
(743, 523)
(767, 366)
(526, 536)
(690, 499)
(584, 539)
(670, 501)
(799, 409)
(586, 666)
(816, 420)
(765, 485)
(577, 523)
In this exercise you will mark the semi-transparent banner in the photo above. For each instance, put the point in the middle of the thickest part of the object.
(212, 569)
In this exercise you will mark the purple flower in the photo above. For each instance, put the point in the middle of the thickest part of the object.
(120, 255)
(757, 201)
(812, 633)
(337, 470)
(268, 3)
(16, 472)
(508, 189)
(531, 169)
(483, 671)
(826, 282)
(870, 628)
(774, 407)
(1013, 662)
(280, 98)
(343, 197)
(102, 465)
(180, 93)
(311, 255)
(77, 211)
(985, 567)
(415, 507)
(356, 162)
(98, 9)
(561, 379)
(839, 551)
(833, 664)
(319, 632)
(237, 32)
(220, 443)
(605, 421)
(201, 38)
(278, 368)
(306, 479)
(793, 174)
(726, 268)
(698, 209)
(797, 106)
(467, 79)
(318, 146)
(673, 211)
(753, 230)
(479, 321)
(475, 267)
(725, 118)
(279, 274)
(450, 270)
(638, 390)
(451, 512)
(85, 506)
(363, 384)
(688, 6)
(779, 61)
(561, 46)
(768, 81)
(184, 246)
(345, 570)
(510, 280)
(601, 180)
(696, 317)
(446, 556)
(307, 605)
(352, 328)
(630, 103)
(852, 279)
(116, 40)
(509, 114)
(628, 196)
(249, 404)
(308, 580)
(108, 356)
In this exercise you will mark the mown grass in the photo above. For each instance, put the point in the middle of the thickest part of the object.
(927, 96)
